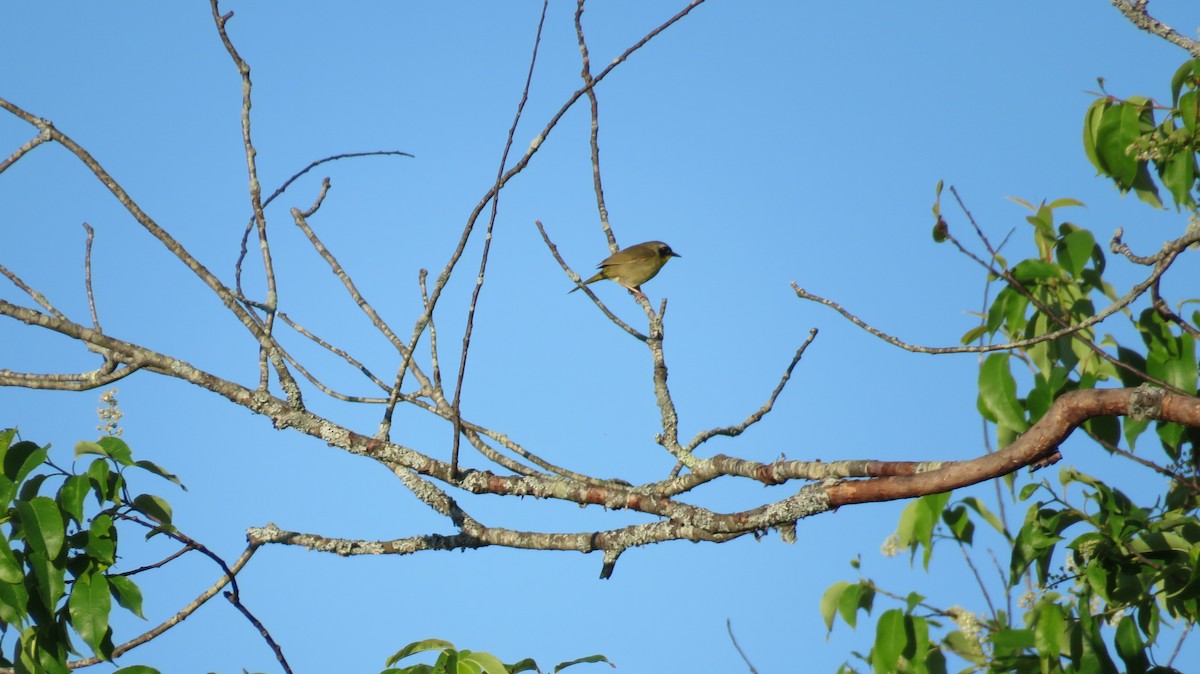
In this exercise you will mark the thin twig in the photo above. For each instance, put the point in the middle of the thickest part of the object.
(729, 628)
(262, 630)
(757, 415)
(41, 299)
(987, 597)
(1083, 339)
(435, 360)
(586, 74)
(260, 218)
(1164, 310)
(444, 276)
(87, 275)
(487, 247)
(283, 188)
(159, 564)
(174, 620)
(341, 353)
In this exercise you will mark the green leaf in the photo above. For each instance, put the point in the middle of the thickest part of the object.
(71, 496)
(89, 607)
(485, 661)
(1178, 174)
(21, 458)
(31, 487)
(1107, 429)
(1186, 74)
(998, 393)
(891, 640)
(912, 601)
(159, 471)
(84, 447)
(1189, 108)
(848, 607)
(1036, 270)
(830, 602)
(1120, 126)
(1064, 202)
(8, 491)
(102, 541)
(974, 334)
(530, 666)
(1007, 641)
(127, 594)
(106, 483)
(987, 515)
(116, 449)
(154, 507)
(1144, 188)
(917, 523)
(14, 598)
(42, 524)
(1049, 631)
(419, 647)
(137, 669)
(1075, 250)
(11, 570)
(49, 581)
(960, 524)
(1091, 132)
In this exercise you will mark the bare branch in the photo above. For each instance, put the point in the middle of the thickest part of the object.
(41, 137)
(577, 279)
(757, 415)
(444, 276)
(81, 381)
(222, 292)
(87, 275)
(1169, 252)
(344, 355)
(180, 616)
(260, 218)
(1036, 447)
(1136, 12)
(37, 296)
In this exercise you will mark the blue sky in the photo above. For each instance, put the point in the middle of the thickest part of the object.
(767, 142)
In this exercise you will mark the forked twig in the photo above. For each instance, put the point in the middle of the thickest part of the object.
(633, 332)
(283, 188)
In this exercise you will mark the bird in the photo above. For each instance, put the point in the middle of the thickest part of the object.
(632, 266)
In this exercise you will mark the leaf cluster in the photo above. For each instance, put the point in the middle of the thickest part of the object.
(58, 548)
(1096, 583)
(1123, 140)
(451, 660)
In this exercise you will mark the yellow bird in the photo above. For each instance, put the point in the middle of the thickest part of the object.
(633, 266)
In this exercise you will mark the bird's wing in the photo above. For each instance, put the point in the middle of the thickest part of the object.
(632, 254)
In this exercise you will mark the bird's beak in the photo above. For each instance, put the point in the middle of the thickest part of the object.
(673, 254)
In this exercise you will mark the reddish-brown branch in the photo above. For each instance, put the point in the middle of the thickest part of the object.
(1036, 447)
